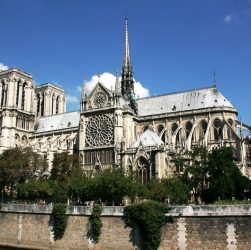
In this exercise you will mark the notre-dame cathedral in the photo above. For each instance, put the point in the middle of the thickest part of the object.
(113, 128)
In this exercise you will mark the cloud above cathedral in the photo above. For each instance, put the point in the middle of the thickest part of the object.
(108, 80)
(3, 67)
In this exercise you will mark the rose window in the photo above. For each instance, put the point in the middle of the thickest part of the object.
(99, 99)
(99, 131)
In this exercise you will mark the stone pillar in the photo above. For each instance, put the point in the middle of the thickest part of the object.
(27, 98)
(231, 236)
(181, 224)
(54, 105)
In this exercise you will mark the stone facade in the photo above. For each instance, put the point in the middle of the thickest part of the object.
(113, 128)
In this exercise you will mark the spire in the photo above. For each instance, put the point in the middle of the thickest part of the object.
(127, 82)
(117, 85)
(126, 62)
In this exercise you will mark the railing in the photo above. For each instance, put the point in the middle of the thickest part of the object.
(27, 208)
(74, 210)
(187, 211)
(211, 210)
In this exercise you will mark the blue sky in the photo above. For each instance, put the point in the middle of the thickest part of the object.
(175, 45)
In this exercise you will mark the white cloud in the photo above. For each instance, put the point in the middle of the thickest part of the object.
(71, 98)
(108, 80)
(79, 88)
(228, 19)
(3, 67)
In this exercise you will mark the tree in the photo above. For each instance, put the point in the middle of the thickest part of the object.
(226, 179)
(196, 173)
(18, 165)
(64, 166)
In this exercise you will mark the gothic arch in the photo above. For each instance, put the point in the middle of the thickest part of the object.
(143, 169)
(24, 86)
(217, 128)
(17, 140)
(203, 129)
(57, 104)
(24, 141)
(175, 132)
(229, 130)
(189, 126)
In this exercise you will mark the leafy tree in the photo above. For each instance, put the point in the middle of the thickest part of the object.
(17, 165)
(172, 190)
(110, 185)
(196, 173)
(177, 190)
(64, 166)
(226, 179)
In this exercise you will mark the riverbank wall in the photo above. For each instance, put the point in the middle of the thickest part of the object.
(194, 227)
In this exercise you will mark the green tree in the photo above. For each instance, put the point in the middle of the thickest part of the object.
(64, 166)
(196, 173)
(226, 179)
(18, 165)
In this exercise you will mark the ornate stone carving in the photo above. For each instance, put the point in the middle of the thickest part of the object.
(99, 99)
(99, 131)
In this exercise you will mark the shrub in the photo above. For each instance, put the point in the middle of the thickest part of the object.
(149, 217)
(95, 223)
(59, 219)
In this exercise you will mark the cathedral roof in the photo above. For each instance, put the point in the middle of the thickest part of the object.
(148, 139)
(57, 122)
(182, 101)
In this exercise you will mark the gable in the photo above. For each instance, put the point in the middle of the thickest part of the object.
(100, 97)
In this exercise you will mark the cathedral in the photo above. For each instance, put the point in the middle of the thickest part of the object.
(112, 128)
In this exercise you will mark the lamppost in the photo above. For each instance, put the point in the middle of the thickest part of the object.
(2, 197)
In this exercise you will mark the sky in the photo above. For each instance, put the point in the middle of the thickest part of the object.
(175, 45)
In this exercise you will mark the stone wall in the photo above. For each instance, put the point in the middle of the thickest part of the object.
(33, 231)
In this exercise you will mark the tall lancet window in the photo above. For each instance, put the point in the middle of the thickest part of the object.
(3, 90)
(57, 105)
(217, 130)
(17, 96)
(23, 95)
(42, 105)
(38, 104)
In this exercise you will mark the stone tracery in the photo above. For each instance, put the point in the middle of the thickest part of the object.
(99, 131)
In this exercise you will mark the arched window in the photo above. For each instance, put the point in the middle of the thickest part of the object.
(160, 129)
(3, 94)
(229, 130)
(57, 105)
(17, 140)
(42, 105)
(217, 130)
(38, 104)
(23, 95)
(203, 129)
(24, 141)
(143, 169)
(174, 128)
(17, 95)
(189, 126)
